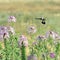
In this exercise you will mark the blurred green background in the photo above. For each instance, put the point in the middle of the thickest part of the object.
(26, 11)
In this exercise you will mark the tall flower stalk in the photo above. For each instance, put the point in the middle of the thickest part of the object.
(5, 44)
(23, 43)
(11, 21)
(12, 48)
(23, 52)
(40, 47)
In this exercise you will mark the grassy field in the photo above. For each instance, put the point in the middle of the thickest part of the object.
(29, 11)
(25, 13)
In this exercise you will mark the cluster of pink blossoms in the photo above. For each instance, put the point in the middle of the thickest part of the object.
(5, 32)
(11, 19)
(23, 39)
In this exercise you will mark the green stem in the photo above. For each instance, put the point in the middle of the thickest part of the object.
(57, 49)
(12, 48)
(6, 50)
(23, 55)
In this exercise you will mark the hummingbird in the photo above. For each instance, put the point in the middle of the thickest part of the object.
(42, 19)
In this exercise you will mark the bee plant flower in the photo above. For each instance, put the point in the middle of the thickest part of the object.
(31, 29)
(23, 43)
(52, 55)
(32, 57)
(11, 30)
(40, 37)
(6, 35)
(11, 19)
(24, 40)
(3, 32)
(2, 28)
(52, 34)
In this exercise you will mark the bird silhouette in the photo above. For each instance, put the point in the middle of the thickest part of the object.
(42, 19)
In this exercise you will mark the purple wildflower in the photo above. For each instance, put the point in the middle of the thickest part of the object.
(24, 40)
(6, 35)
(3, 32)
(11, 30)
(52, 55)
(32, 57)
(52, 34)
(11, 19)
(31, 29)
(2, 28)
(41, 37)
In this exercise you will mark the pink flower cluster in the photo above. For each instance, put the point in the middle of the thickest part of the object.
(24, 40)
(11, 30)
(31, 29)
(11, 19)
(40, 37)
(52, 34)
(5, 32)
